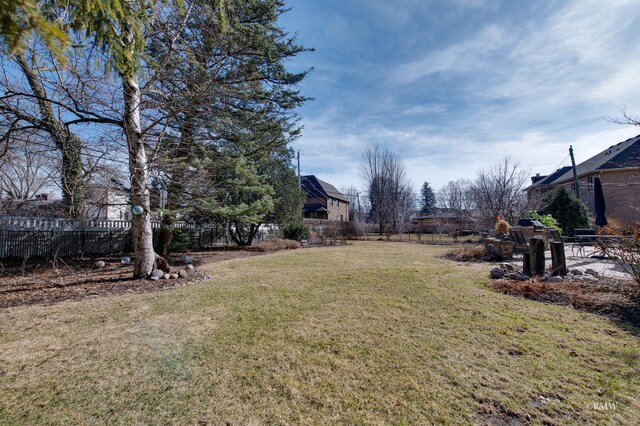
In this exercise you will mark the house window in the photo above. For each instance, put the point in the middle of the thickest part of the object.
(590, 183)
(332, 201)
(341, 218)
(338, 201)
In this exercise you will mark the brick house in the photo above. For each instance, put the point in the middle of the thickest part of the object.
(324, 201)
(618, 168)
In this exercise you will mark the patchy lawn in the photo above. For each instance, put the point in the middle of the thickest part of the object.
(41, 281)
(368, 333)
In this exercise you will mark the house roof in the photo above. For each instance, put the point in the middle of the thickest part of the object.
(552, 177)
(314, 207)
(623, 155)
(315, 187)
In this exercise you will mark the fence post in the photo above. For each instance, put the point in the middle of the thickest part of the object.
(558, 261)
(536, 253)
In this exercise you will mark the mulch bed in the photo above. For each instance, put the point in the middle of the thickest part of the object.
(45, 282)
(616, 299)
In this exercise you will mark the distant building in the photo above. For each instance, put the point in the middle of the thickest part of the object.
(40, 206)
(108, 201)
(446, 221)
(324, 201)
(618, 168)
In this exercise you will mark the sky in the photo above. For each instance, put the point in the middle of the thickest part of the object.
(452, 86)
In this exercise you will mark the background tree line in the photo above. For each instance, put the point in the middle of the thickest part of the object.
(496, 192)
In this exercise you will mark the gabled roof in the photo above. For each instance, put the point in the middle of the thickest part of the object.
(315, 187)
(552, 177)
(620, 156)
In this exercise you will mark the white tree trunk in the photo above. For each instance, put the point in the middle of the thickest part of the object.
(139, 171)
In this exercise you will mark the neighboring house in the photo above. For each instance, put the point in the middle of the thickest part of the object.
(446, 221)
(324, 201)
(618, 168)
(40, 206)
(108, 201)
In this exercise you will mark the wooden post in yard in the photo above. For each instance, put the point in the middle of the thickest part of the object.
(536, 253)
(558, 261)
(526, 264)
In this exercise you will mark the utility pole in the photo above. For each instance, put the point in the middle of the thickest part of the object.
(576, 183)
(299, 178)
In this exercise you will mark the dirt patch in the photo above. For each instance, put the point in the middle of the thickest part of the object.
(43, 282)
(616, 299)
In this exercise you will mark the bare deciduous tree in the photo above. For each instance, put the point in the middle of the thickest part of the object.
(389, 188)
(457, 197)
(25, 170)
(498, 191)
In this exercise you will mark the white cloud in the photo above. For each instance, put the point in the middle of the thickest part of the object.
(459, 58)
(529, 89)
(424, 109)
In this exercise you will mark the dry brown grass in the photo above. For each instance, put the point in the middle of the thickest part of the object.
(371, 333)
(467, 254)
(617, 299)
(277, 244)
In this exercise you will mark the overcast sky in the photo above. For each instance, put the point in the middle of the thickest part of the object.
(452, 86)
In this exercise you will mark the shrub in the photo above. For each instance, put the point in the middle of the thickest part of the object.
(468, 254)
(277, 244)
(570, 212)
(545, 219)
(623, 244)
(348, 230)
(295, 231)
(181, 240)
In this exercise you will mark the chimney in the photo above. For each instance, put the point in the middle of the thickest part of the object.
(537, 178)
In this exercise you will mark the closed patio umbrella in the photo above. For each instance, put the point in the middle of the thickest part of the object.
(599, 205)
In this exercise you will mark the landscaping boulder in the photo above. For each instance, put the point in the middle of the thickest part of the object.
(173, 276)
(182, 273)
(507, 267)
(496, 273)
(99, 264)
(166, 276)
(189, 268)
(576, 272)
(157, 273)
(592, 273)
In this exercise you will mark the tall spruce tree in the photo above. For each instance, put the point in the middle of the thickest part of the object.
(427, 199)
(232, 98)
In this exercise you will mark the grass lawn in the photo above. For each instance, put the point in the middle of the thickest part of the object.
(368, 333)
